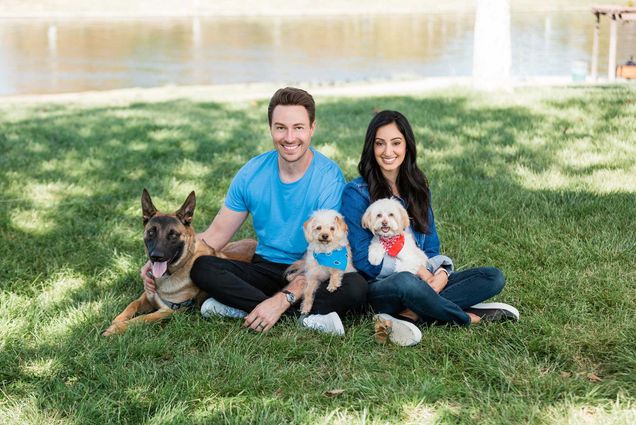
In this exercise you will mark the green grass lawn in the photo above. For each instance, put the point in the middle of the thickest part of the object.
(541, 183)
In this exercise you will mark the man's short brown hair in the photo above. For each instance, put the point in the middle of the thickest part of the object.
(292, 96)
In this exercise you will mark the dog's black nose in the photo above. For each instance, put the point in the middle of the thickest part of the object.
(324, 236)
(385, 223)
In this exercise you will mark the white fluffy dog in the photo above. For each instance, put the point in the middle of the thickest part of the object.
(328, 254)
(387, 220)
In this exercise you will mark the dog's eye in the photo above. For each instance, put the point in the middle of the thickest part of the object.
(332, 228)
(379, 216)
(318, 227)
(151, 233)
(390, 214)
(172, 235)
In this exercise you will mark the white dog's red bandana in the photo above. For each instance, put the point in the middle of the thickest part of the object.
(393, 245)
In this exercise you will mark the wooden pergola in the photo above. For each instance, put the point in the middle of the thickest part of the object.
(615, 13)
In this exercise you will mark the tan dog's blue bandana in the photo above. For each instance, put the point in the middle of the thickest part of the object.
(336, 259)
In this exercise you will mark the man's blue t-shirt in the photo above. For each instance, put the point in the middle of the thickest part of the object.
(279, 209)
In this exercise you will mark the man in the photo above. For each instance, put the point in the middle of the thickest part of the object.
(280, 188)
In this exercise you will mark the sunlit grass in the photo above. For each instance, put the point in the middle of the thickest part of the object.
(28, 411)
(541, 183)
(41, 368)
(599, 181)
(59, 290)
(32, 222)
(617, 413)
(331, 151)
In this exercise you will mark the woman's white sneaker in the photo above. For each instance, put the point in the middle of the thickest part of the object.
(398, 331)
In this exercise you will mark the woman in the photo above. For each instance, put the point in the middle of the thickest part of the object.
(435, 294)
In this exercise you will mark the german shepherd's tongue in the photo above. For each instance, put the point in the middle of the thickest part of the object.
(159, 268)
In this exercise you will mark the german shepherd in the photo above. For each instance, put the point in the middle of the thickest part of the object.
(172, 246)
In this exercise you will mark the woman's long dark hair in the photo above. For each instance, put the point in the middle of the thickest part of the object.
(411, 181)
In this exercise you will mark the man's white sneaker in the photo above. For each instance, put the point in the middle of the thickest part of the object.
(398, 331)
(327, 323)
(212, 307)
(494, 312)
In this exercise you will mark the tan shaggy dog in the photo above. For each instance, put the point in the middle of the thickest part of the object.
(328, 255)
(388, 220)
(172, 246)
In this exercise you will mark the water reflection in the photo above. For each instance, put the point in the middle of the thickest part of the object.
(65, 56)
(51, 36)
(196, 32)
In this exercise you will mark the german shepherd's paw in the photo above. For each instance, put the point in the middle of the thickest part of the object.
(115, 328)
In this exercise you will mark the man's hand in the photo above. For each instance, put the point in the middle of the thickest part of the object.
(266, 314)
(439, 281)
(149, 281)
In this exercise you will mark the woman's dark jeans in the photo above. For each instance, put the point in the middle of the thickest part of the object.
(404, 290)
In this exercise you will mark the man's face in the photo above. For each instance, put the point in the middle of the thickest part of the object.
(291, 131)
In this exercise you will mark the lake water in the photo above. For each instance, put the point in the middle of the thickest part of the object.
(38, 56)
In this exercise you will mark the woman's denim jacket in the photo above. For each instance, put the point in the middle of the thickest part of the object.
(355, 201)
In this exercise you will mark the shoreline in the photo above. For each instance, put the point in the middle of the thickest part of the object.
(118, 9)
(139, 9)
(259, 91)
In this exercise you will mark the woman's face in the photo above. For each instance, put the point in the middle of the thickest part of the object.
(389, 149)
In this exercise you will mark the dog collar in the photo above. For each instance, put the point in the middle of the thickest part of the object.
(177, 306)
(336, 259)
(393, 245)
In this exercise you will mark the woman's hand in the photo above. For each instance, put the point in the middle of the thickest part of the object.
(439, 281)
(436, 281)
(146, 276)
(425, 275)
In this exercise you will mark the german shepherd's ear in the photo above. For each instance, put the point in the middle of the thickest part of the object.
(186, 212)
(147, 208)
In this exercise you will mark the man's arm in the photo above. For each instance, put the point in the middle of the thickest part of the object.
(223, 227)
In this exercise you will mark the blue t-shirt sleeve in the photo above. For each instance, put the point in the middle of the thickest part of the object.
(236, 198)
(331, 193)
(353, 207)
